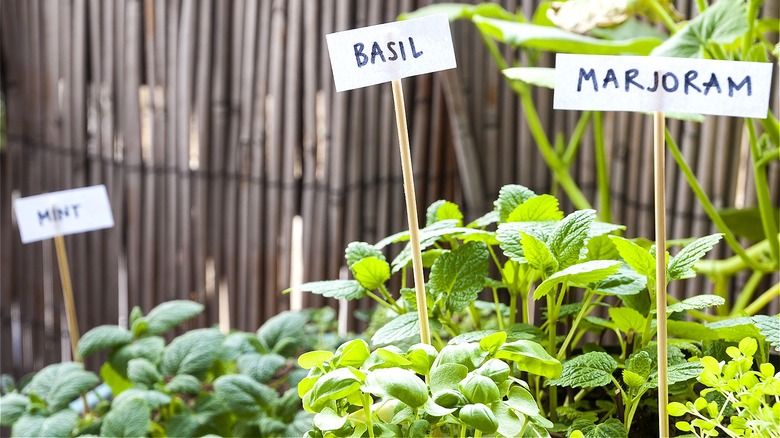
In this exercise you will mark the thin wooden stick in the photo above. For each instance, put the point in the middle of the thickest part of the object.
(411, 209)
(660, 268)
(67, 294)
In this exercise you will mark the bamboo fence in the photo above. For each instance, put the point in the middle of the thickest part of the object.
(214, 123)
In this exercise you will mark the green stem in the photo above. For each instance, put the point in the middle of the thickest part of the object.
(552, 319)
(576, 137)
(752, 15)
(583, 311)
(477, 433)
(474, 316)
(762, 193)
(763, 300)
(666, 19)
(513, 308)
(707, 205)
(701, 5)
(602, 168)
(632, 411)
(382, 302)
(367, 410)
(463, 431)
(733, 265)
(499, 316)
(746, 294)
(721, 289)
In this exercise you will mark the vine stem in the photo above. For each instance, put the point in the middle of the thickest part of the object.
(602, 168)
(762, 193)
(573, 329)
(763, 300)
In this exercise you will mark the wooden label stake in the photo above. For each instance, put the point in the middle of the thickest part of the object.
(659, 165)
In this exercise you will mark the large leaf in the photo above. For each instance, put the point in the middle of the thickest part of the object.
(59, 424)
(578, 275)
(371, 272)
(351, 354)
(397, 329)
(695, 303)
(627, 319)
(681, 265)
(721, 23)
(586, 371)
(59, 384)
(570, 235)
(284, 333)
(397, 383)
(340, 289)
(192, 353)
(149, 348)
(535, 209)
(635, 256)
(169, 314)
(130, 419)
(678, 372)
(261, 367)
(334, 385)
(530, 356)
(101, 338)
(538, 76)
(12, 406)
(625, 281)
(143, 373)
(243, 395)
(557, 40)
(460, 275)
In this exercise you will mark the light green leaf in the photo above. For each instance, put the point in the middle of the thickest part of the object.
(632, 379)
(351, 354)
(313, 359)
(101, 338)
(494, 369)
(371, 272)
(357, 251)
(469, 355)
(627, 319)
(59, 424)
(393, 356)
(334, 385)
(339, 289)
(488, 218)
(522, 401)
(735, 329)
(192, 353)
(243, 395)
(537, 254)
(153, 398)
(480, 417)
(398, 383)
(586, 371)
(601, 248)
(640, 363)
(580, 274)
(530, 356)
(769, 326)
(328, 419)
(460, 275)
(284, 333)
(695, 303)
(690, 330)
(681, 265)
(535, 209)
(721, 23)
(537, 76)
(447, 376)
(12, 406)
(509, 198)
(679, 372)
(635, 256)
(557, 40)
(59, 384)
(150, 348)
(568, 239)
(624, 282)
(428, 236)
(510, 423)
(443, 210)
(400, 328)
(421, 357)
(130, 419)
(611, 428)
(169, 314)
(479, 389)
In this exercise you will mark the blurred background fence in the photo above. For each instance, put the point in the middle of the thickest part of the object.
(214, 123)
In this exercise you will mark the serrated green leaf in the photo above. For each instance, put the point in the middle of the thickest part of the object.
(632, 379)
(721, 23)
(537, 208)
(586, 371)
(550, 38)
(398, 383)
(638, 258)
(184, 384)
(627, 319)
(735, 329)
(428, 236)
(143, 373)
(169, 314)
(339, 289)
(192, 353)
(261, 367)
(679, 372)
(611, 428)
(624, 282)
(530, 356)
(371, 272)
(59, 384)
(153, 398)
(59, 424)
(537, 254)
(509, 197)
(681, 265)
(150, 348)
(12, 406)
(130, 419)
(769, 326)
(101, 338)
(243, 395)
(580, 274)
(284, 333)
(601, 248)
(357, 251)
(443, 210)
(640, 363)
(537, 76)
(398, 329)
(570, 235)
(460, 275)
(696, 302)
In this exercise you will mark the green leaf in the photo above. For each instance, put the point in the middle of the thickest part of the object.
(480, 417)
(397, 383)
(568, 239)
(601, 248)
(192, 353)
(509, 198)
(537, 254)
(530, 356)
(611, 428)
(677, 373)
(243, 395)
(443, 210)
(521, 400)
(721, 23)
(371, 272)
(313, 359)
(735, 329)
(494, 369)
(696, 302)
(59, 384)
(535, 209)
(101, 338)
(59, 424)
(328, 419)
(624, 282)
(580, 274)
(421, 357)
(339, 289)
(113, 379)
(130, 419)
(510, 423)
(627, 319)
(586, 371)
(640, 363)
(351, 354)
(742, 221)
(447, 376)
(428, 236)
(357, 251)
(681, 265)
(143, 373)
(183, 384)
(261, 367)
(493, 341)
(12, 406)
(334, 385)
(284, 333)
(635, 256)
(460, 275)
(169, 314)
(557, 40)
(537, 76)
(403, 327)
(483, 221)
(153, 398)
(392, 356)
(769, 326)
(479, 389)
(149, 348)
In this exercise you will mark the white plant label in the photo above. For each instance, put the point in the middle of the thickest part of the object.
(648, 83)
(385, 52)
(61, 213)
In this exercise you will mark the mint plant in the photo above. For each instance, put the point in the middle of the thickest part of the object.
(202, 382)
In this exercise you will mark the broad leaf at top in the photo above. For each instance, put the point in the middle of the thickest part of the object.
(509, 197)
(537, 208)
(681, 265)
(586, 371)
(721, 23)
(570, 236)
(460, 275)
(371, 272)
(357, 251)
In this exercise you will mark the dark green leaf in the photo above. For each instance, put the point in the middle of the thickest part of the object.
(624, 282)
(243, 395)
(769, 326)
(59, 424)
(284, 333)
(261, 367)
(568, 239)
(509, 198)
(143, 373)
(101, 338)
(742, 222)
(59, 384)
(428, 236)
(153, 398)
(580, 274)
(184, 384)
(695, 303)
(721, 23)
(460, 275)
(130, 419)
(169, 314)
(735, 329)
(192, 353)
(679, 372)
(339, 289)
(586, 371)
(681, 265)
(611, 428)
(403, 327)
(149, 348)
(357, 251)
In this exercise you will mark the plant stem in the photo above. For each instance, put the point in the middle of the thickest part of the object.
(576, 137)
(584, 310)
(763, 300)
(666, 19)
(706, 204)
(367, 410)
(499, 316)
(701, 5)
(763, 195)
(552, 319)
(721, 289)
(382, 302)
(602, 168)
(746, 294)
(474, 316)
